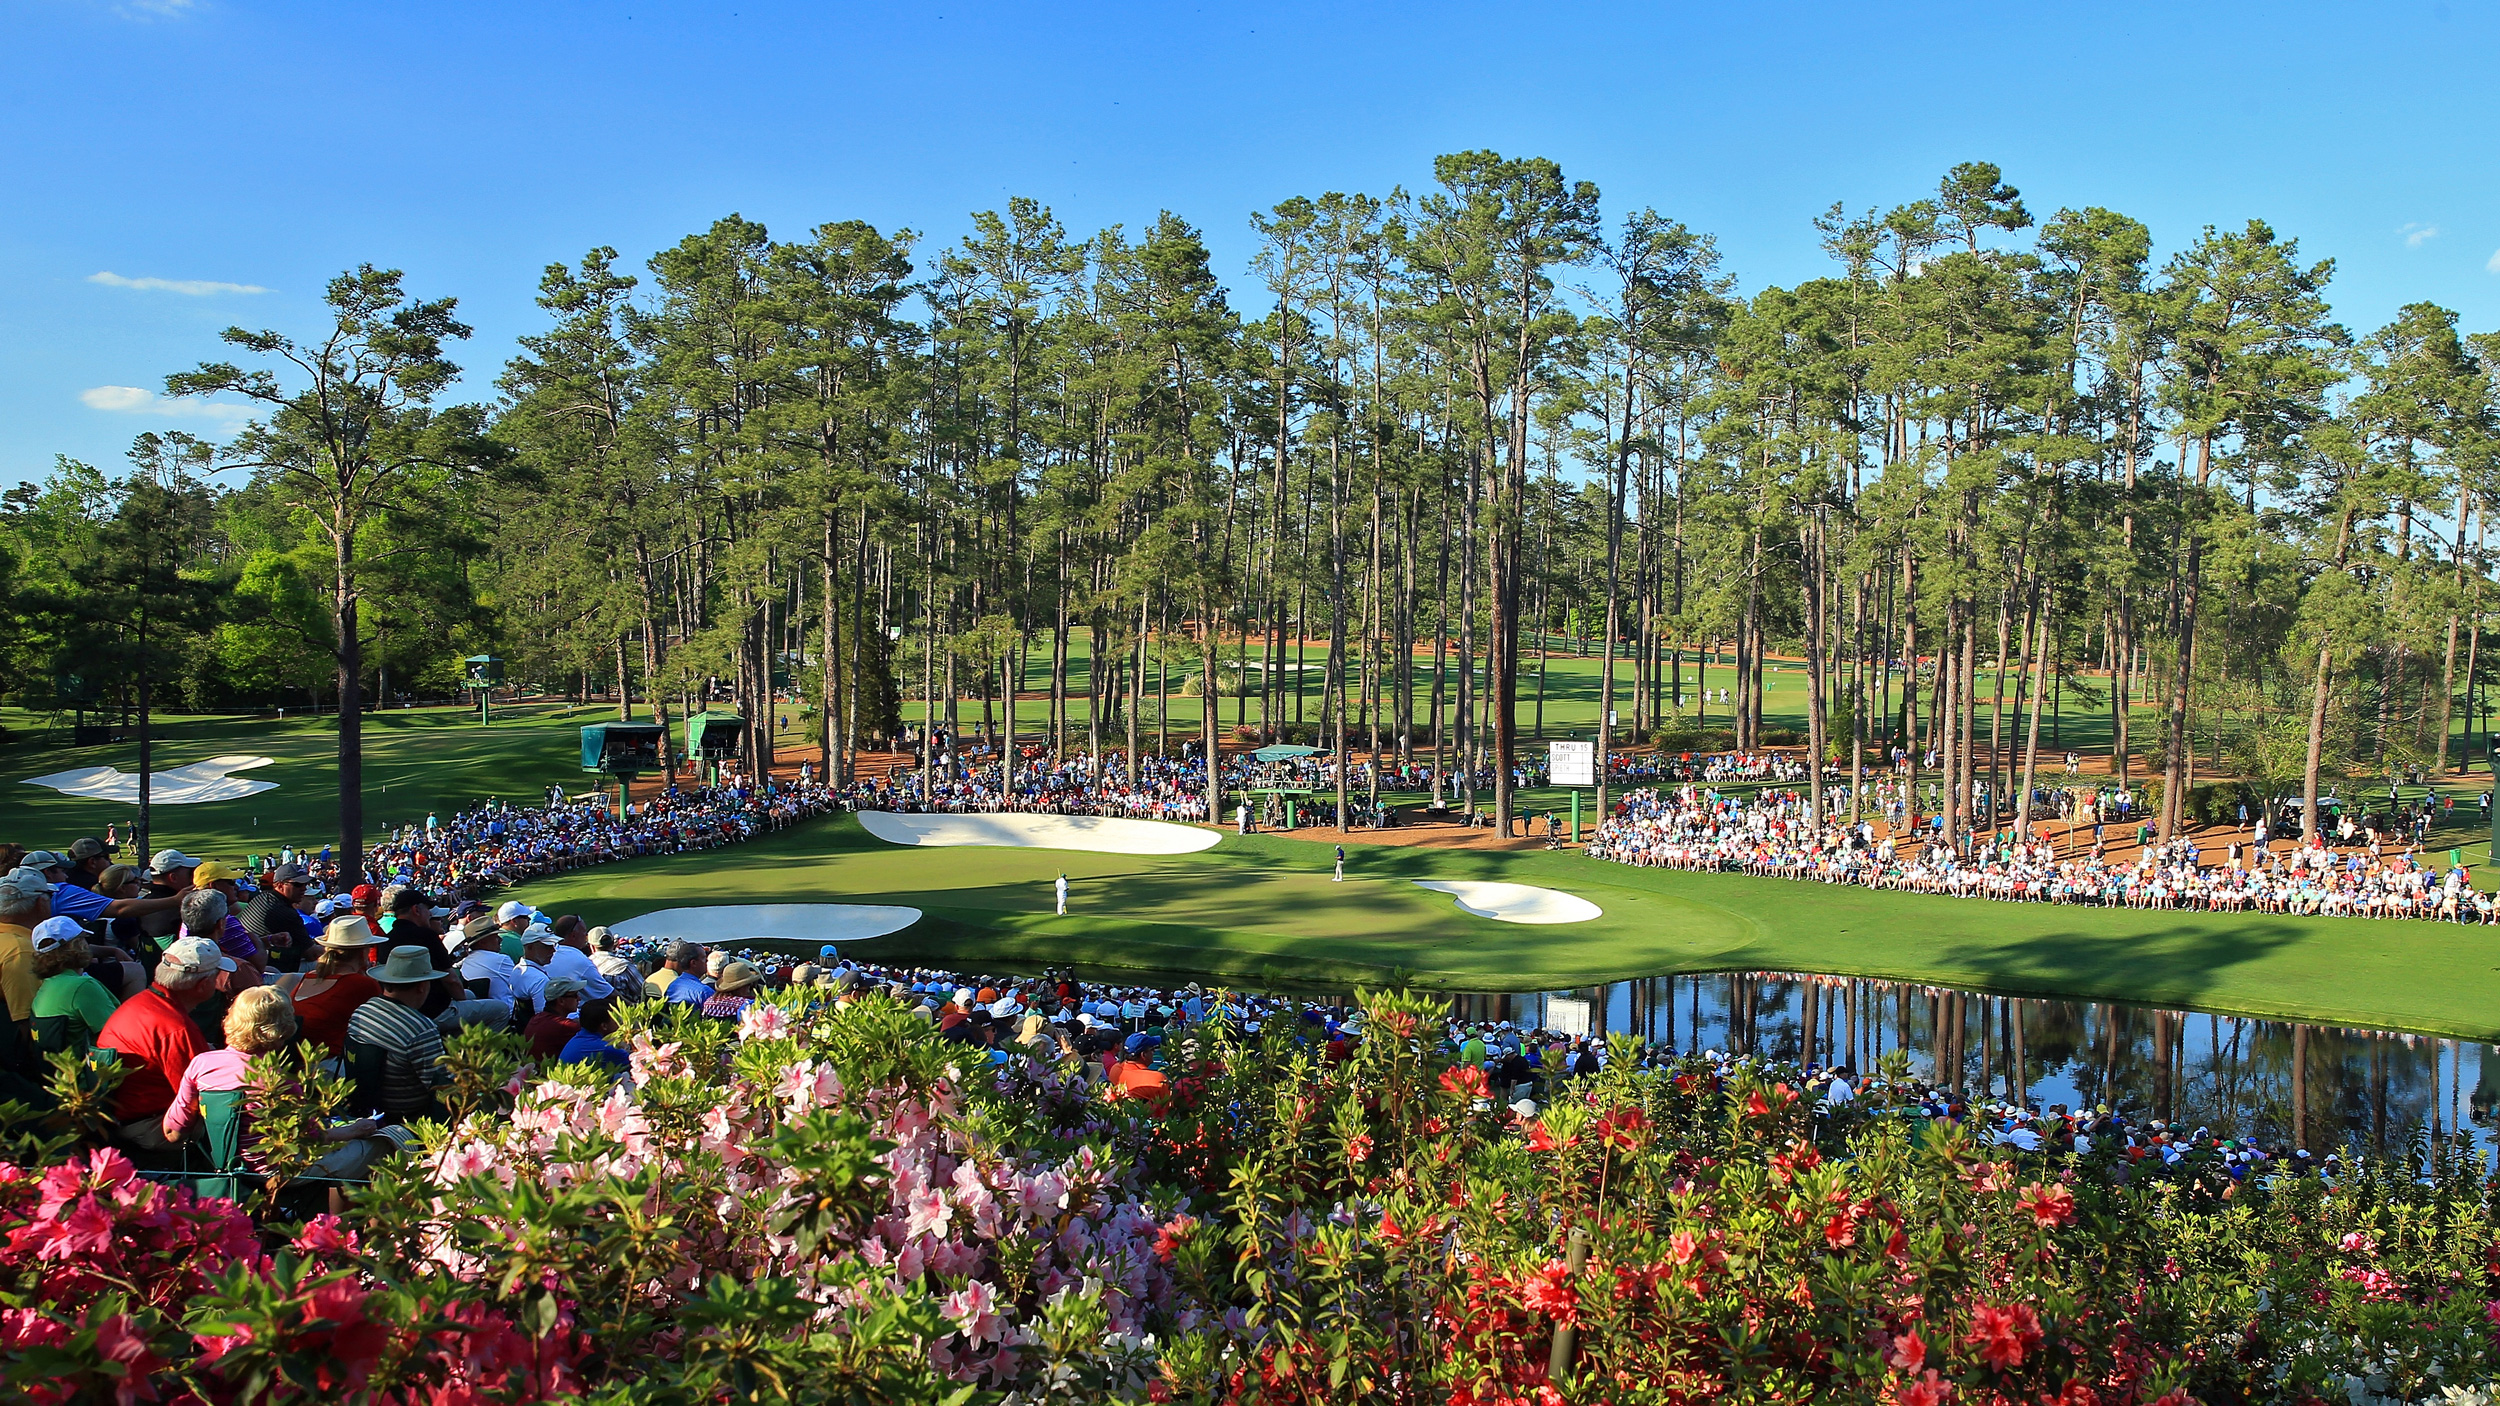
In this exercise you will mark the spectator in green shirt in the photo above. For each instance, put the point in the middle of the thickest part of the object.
(67, 992)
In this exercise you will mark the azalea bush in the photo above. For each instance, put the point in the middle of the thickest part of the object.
(831, 1203)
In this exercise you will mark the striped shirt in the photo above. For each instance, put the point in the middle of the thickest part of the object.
(412, 1052)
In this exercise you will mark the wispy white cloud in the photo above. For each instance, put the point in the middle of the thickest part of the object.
(154, 9)
(133, 400)
(2492, 264)
(188, 287)
(2417, 234)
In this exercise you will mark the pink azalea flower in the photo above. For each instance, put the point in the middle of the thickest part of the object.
(323, 1234)
(930, 1214)
(974, 1310)
(1043, 1194)
(763, 1022)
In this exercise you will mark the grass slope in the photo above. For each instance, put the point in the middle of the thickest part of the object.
(1261, 908)
(416, 760)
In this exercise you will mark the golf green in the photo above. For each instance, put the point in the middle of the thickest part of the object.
(1262, 909)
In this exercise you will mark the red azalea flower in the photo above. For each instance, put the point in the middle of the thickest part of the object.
(1908, 1353)
(1625, 1130)
(1175, 1233)
(2003, 1335)
(1929, 1390)
(1839, 1233)
(1539, 1140)
(1549, 1292)
(1466, 1081)
(2050, 1206)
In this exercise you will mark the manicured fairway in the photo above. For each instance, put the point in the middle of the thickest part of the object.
(1262, 909)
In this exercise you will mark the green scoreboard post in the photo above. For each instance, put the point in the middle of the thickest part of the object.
(1572, 764)
(485, 671)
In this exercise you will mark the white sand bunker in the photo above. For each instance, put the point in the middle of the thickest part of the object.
(1095, 834)
(789, 922)
(210, 780)
(1515, 903)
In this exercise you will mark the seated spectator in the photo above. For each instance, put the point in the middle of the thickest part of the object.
(590, 1043)
(259, 1021)
(572, 958)
(71, 1007)
(86, 905)
(554, 1026)
(738, 982)
(168, 877)
(155, 1038)
(1132, 1079)
(340, 981)
(130, 933)
(611, 963)
(206, 913)
(686, 959)
(395, 1023)
(88, 859)
(511, 920)
(25, 902)
(275, 917)
(484, 968)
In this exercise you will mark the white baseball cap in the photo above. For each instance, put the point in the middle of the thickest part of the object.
(57, 932)
(510, 910)
(168, 860)
(198, 954)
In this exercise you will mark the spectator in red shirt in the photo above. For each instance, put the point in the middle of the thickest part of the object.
(550, 1029)
(156, 1039)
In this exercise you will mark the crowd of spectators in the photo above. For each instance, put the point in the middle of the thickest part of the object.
(1773, 833)
(182, 971)
(497, 844)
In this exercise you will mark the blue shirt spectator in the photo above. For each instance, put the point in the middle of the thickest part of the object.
(688, 989)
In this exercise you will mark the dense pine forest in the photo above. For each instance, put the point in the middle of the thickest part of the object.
(1993, 457)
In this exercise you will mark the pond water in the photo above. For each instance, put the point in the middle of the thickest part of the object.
(2282, 1083)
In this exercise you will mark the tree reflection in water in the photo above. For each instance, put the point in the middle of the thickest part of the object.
(2281, 1083)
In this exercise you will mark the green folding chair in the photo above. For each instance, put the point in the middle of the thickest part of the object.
(60, 1032)
(221, 1119)
(365, 1076)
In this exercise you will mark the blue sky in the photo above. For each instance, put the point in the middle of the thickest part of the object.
(198, 149)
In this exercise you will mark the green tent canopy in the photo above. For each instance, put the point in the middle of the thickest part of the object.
(1283, 752)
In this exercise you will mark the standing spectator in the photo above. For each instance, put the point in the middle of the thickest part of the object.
(395, 1023)
(156, 1039)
